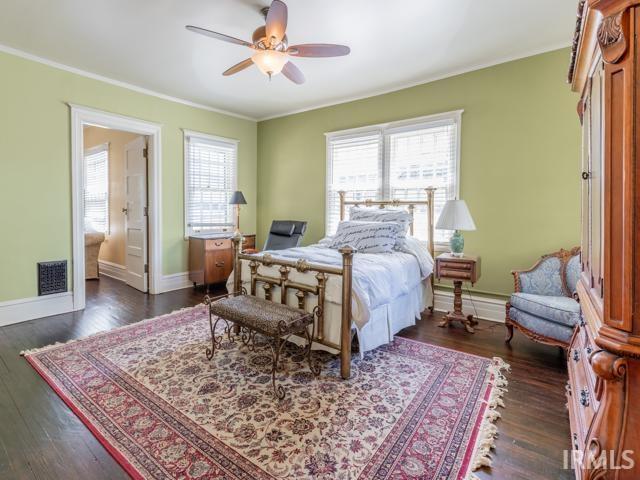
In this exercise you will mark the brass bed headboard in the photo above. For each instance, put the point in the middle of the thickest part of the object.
(410, 204)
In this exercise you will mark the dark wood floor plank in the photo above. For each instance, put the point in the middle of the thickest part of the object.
(40, 438)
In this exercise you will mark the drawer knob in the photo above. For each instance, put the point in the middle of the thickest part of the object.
(584, 397)
(576, 355)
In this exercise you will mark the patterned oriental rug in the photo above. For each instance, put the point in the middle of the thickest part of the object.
(147, 392)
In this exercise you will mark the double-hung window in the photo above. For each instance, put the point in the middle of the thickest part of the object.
(96, 188)
(396, 161)
(210, 172)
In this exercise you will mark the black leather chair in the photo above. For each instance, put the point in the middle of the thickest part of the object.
(285, 234)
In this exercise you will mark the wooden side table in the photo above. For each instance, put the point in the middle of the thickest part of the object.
(458, 269)
(211, 257)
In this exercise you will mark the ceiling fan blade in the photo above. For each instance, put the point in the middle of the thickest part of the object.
(293, 73)
(238, 67)
(218, 36)
(318, 50)
(277, 21)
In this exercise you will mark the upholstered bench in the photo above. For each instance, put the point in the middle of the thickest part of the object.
(253, 315)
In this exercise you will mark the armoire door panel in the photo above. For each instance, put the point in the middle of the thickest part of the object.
(618, 80)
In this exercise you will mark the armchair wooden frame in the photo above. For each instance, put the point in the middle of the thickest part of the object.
(322, 272)
(564, 256)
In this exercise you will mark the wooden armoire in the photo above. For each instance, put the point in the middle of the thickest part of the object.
(604, 358)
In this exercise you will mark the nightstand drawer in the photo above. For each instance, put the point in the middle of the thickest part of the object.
(456, 266)
(448, 273)
(466, 268)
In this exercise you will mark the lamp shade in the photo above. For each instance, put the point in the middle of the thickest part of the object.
(237, 199)
(455, 216)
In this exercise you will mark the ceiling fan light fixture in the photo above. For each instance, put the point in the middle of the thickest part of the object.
(270, 62)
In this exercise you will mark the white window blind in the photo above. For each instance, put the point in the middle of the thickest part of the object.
(354, 166)
(210, 179)
(96, 188)
(397, 160)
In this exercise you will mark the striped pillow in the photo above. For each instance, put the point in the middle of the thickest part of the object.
(401, 217)
(367, 237)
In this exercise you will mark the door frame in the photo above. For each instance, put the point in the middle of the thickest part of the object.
(82, 116)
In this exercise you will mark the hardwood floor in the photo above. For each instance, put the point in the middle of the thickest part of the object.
(40, 438)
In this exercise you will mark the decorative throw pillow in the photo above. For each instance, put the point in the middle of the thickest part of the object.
(401, 217)
(367, 237)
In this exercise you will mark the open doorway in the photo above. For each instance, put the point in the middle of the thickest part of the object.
(115, 205)
(116, 201)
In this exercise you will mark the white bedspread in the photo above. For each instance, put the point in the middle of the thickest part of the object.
(378, 279)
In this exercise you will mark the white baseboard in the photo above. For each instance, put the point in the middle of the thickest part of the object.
(488, 308)
(15, 311)
(175, 281)
(113, 270)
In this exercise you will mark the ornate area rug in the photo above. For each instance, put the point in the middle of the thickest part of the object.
(147, 392)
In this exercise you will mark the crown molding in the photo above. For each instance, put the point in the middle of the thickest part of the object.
(117, 83)
(369, 94)
(415, 83)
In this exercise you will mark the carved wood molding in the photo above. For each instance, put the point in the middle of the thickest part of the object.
(608, 427)
(613, 35)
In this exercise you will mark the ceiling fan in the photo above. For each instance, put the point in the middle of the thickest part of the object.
(272, 48)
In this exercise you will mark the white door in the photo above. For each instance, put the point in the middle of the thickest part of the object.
(135, 210)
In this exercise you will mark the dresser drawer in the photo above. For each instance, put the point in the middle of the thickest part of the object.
(456, 266)
(582, 400)
(218, 244)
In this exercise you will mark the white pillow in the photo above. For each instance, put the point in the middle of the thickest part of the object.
(401, 217)
(367, 237)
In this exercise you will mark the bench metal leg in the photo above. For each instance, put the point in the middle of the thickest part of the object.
(279, 390)
(314, 367)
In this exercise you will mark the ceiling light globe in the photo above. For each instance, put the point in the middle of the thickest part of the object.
(270, 62)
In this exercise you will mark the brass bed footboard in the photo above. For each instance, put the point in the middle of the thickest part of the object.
(302, 290)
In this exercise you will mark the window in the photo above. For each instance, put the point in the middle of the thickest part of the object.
(96, 188)
(210, 179)
(396, 160)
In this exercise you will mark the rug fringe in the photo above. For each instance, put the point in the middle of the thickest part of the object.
(33, 351)
(488, 431)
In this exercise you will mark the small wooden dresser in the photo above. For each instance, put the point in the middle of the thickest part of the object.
(211, 257)
(603, 394)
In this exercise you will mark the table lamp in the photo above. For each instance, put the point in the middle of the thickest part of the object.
(455, 216)
(237, 199)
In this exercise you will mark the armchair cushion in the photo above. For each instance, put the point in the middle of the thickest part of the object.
(544, 279)
(541, 327)
(558, 309)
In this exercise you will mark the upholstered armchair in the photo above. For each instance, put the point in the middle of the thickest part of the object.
(92, 243)
(543, 306)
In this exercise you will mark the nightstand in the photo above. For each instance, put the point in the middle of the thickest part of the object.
(211, 257)
(458, 269)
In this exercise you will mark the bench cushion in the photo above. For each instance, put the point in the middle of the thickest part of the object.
(261, 315)
(562, 310)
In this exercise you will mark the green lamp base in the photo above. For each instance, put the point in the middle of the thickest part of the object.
(457, 244)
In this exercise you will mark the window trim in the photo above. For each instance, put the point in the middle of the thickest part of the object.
(384, 130)
(101, 147)
(205, 136)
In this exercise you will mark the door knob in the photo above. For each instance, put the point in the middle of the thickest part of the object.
(125, 210)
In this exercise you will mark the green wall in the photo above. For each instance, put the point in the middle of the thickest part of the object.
(35, 162)
(519, 162)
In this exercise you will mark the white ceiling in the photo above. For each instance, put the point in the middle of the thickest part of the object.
(393, 44)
